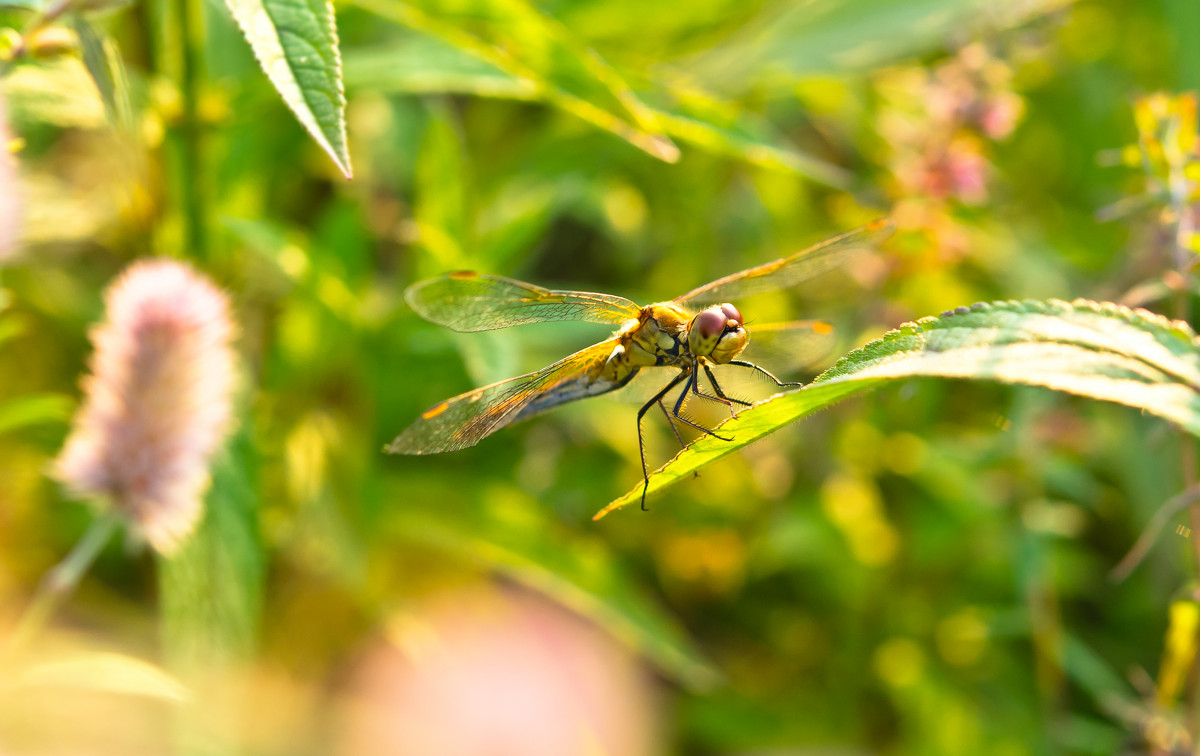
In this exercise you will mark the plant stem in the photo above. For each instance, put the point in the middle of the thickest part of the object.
(1179, 188)
(60, 582)
(181, 57)
(191, 19)
(1186, 498)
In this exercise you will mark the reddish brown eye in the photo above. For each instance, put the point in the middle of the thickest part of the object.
(732, 313)
(711, 322)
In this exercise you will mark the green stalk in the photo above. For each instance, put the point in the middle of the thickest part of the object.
(1179, 189)
(60, 582)
(180, 57)
(191, 30)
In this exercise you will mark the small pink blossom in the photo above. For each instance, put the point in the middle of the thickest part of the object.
(501, 674)
(158, 400)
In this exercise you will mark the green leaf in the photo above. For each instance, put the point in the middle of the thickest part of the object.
(428, 65)
(34, 409)
(1102, 351)
(515, 37)
(745, 139)
(103, 62)
(212, 587)
(296, 43)
(211, 600)
(795, 40)
(440, 209)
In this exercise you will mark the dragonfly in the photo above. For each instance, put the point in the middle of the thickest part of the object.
(689, 334)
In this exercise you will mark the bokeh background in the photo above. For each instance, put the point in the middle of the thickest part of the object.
(922, 570)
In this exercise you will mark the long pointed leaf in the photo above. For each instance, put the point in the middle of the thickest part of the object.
(1102, 351)
(296, 43)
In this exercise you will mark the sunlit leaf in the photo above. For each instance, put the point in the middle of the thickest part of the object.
(1102, 351)
(57, 91)
(827, 36)
(102, 672)
(755, 148)
(296, 43)
(516, 38)
(429, 65)
(104, 64)
(425, 65)
(35, 409)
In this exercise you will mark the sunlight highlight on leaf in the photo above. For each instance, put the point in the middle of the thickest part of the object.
(104, 672)
(1101, 351)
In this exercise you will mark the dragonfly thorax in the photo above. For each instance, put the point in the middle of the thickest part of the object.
(717, 333)
(658, 337)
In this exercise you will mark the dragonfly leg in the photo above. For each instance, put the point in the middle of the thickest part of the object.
(675, 430)
(671, 422)
(679, 409)
(717, 387)
(694, 387)
(641, 441)
(764, 371)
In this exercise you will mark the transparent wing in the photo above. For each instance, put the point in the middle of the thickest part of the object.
(790, 271)
(782, 349)
(787, 348)
(467, 418)
(466, 301)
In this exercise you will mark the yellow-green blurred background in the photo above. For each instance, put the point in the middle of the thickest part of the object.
(922, 570)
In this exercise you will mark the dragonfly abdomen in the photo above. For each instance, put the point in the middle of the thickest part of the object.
(579, 387)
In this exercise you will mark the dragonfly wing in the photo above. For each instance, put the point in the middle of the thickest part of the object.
(783, 349)
(790, 271)
(464, 420)
(466, 301)
(788, 348)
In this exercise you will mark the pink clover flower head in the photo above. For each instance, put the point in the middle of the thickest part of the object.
(158, 401)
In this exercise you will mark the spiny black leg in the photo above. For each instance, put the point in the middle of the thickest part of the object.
(679, 438)
(679, 407)
(694, 386)
(671, 422)
(641, 441)
(752, 366)
(717, 387)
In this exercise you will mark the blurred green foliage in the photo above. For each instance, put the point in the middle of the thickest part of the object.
(919, 570)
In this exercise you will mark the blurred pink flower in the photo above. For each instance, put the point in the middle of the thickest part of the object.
(158, 401)
(496, 674)
(9, 198)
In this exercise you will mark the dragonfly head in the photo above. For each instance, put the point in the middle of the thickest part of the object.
(717, 333)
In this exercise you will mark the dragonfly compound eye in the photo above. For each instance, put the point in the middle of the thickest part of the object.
(710, 323)
(732, 313)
